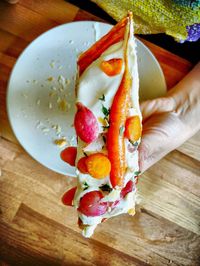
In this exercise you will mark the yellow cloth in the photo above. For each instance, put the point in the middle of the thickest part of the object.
(154, 16)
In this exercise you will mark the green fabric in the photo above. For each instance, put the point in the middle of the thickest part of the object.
(154, 16)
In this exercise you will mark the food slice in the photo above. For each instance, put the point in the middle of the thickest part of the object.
(108, 128)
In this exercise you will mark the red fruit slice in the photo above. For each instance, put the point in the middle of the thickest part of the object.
(68, 196)
(90, 204)
(86, 124)
(128, 188)
(82, 167)
(68, 155)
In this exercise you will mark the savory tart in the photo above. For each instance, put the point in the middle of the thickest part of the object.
(108, 127)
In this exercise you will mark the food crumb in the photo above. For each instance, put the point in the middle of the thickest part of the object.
(38, 124)
(50, 105)
(131, 212)
(25, 95)
(45, 129)
(71, 42)
(52, 93)
(60, 67)
(54, 88)
(67, 81)
(52, 64)
(60, 142)
(61, 89)
(57, 128)
(38, 102)
(50, 79)
(58, 99)
(62, 105)
(61, 80)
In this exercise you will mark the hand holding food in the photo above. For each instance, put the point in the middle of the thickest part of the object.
(169, 121)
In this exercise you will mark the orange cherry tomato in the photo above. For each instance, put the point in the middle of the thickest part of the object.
(98, 165)
(133, 128)
(112, 67)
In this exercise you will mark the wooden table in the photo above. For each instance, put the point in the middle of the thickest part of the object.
(36, 229)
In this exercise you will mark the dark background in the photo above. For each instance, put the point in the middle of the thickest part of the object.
(187, 50)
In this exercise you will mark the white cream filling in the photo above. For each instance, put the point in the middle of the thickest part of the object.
(123, 207)
(92, 85)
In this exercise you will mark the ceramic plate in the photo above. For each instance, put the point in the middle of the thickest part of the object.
(40, 99)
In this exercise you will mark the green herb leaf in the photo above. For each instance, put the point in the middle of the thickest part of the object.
(106, 187)
(105, 127)
(105, 110)
(136, 173)
(85, 154)
(102, 98)
(134, 143)
(121, 130)
(104, 139)
(85, 185)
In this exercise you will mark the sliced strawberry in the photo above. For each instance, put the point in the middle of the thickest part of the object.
(68, 196)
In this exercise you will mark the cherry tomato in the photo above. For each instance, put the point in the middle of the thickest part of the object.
(90, 204)
(68, 196)
(128, 188)
(68, 155)
(82, 167)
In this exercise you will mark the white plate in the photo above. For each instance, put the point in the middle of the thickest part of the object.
(52, 54)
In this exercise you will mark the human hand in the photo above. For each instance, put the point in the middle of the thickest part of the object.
(169, 121)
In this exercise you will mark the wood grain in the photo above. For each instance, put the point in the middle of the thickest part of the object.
(36, 229)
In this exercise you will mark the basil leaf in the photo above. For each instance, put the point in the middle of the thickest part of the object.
(137, 173)
(134, 143)
(105, 110)
(106, 187)
(86, 186)
(104, 139)
(121, 130)
(105, 127)
(102, 98)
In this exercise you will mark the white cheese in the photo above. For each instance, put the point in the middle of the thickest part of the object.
(93, 84)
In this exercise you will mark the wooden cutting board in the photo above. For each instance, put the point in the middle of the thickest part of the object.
(36, 229)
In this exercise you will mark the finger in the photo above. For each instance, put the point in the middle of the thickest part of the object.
(161, 134)
(150, 160)
(156, 106)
